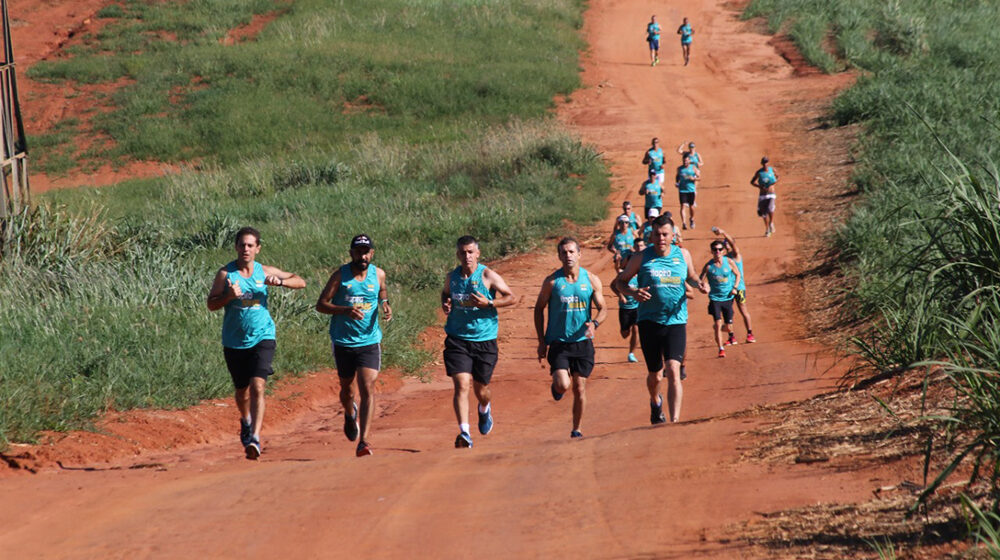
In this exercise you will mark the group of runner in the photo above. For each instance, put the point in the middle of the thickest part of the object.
(653, 38)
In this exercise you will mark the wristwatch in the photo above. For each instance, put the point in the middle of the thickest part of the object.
(596, 323)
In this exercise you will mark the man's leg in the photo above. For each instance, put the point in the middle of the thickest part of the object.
(742, 306)
(675, 390)
(718, 335)
(579, 400)
(633, 341)
(257, 385)
(347, 394)
(653, 385)
(483, 393)
(366, 386)
(243, 403)
(560, 380)
(462, 383)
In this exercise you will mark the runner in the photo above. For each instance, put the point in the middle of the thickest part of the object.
(689, 150)
(470, 301)
(568, 342)
(621, 241)
(352, 296)
(685, 32)
(628, 309)
(688, 176)
(653, 38)
(248, 334)
(733, 252)
(633, 220)
(653, 158)
(723, 277)
(764, 180)
(662, 269)
(652, 189)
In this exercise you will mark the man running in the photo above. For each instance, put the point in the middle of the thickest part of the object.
(352, 296)
(628, 309)
(248, 334)
(633, 220)
(663, 269)
(621, 241)
(733, 252)
(689, 151)
(688, 176)
(764, 179)
(470, 300)
(569, 294)
(652, 190)
(723, 277)
(686, 34)
(653, 38)
(653, 159)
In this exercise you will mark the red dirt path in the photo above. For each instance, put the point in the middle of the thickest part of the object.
(174, 484)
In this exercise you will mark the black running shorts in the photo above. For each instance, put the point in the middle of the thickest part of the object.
(350, 358)
(660, 342)
(686, 198)
(575, 357)
(477, 358)
(245, 363)
(721, 310)
(765, 205)
(627, 317)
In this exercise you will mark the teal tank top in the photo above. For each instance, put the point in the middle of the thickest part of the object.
(466, 321)
(695, 158)
(569, 309)
(766, 177)
(362, 294)
(623, 242)
(630, 302)
(647, 232)
(655, 159)
(652, 32)
(654, 195)
(685, 178)
(664, 277)
(743, 279)
(246, 321)
(720, 281)
(686, 33)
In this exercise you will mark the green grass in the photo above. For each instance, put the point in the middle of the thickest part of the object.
(450, 134)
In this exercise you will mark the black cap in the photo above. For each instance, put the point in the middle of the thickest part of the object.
(362, 240)
(764, 159)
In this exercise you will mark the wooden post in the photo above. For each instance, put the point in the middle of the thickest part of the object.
(15, 194)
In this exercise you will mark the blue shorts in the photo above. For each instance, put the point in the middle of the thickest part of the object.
(654, 44)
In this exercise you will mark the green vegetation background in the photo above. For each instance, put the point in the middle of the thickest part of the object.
(921, 247)
(415, 121)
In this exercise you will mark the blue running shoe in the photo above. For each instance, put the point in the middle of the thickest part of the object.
(631, 358)
(656, 412)
(351, 428)
(486, 422)
(575, 434)
(246, 432)
(556, 395)
(252, 449)
(463, 440)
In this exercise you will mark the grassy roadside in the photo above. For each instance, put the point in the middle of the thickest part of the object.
(108, 284)
(920, 248)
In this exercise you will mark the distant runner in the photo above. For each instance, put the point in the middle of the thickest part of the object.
(653, 38)
(686, 33)
(662, 269)
(689, 151)
(628, 309)
(633, 220)
(652, 190)
(569, 294)
(723, 277)
(470, 301)
(733, 252)
(353, 295)
(248, 334)
(653, 159)
(688, 176)
(621, 242)
(764, 180)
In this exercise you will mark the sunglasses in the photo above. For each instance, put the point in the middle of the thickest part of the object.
(718, 249)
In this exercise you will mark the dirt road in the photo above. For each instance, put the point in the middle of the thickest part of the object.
(627, 489)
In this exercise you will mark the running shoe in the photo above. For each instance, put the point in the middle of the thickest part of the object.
(722, 352)
(656, 412)
(767, 233)
(246, 432)
(632, 358)
(555, 394)
(486, 422)
(772, 227)
(684, 225)
(575, 434)
(351, 428)
(253, 448)
(652, 63)
(684, 374)
(732, 340)
(364, 448)
(750, 338)
(463, 440)
(692, 223)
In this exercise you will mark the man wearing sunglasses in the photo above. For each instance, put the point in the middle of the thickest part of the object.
(723, 277)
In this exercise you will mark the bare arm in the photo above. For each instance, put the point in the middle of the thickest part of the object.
(611, 244)
(692, 277)
(540, 304)
(736, 271)
(221, 292)
(620, 282)
(446, 295)
(597, 297)
(753, 180)
(732, 243)
(493, 281)
(276, 277)
(383, 294)
(325, 303)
